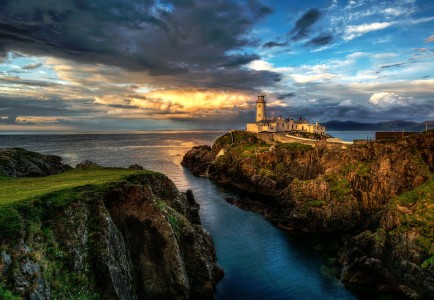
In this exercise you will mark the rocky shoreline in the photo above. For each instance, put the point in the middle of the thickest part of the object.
(132, 236)
(379, 194)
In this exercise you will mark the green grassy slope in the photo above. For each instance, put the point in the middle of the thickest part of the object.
(14, 190)
(28, 200)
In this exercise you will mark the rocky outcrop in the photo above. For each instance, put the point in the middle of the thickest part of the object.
(18, 162)
(198, 159)
(337, 188)
(400, 250)
(136, 238)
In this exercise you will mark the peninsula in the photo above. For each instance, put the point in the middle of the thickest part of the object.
(379, 194)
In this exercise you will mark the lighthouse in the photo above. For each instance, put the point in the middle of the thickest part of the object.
(280, 125)
(260, 108)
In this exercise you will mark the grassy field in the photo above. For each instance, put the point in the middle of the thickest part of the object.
(14, 190)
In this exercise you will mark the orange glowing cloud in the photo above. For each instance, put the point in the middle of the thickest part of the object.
(196, 99)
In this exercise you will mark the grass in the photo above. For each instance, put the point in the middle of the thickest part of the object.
(362, 169)
(316, 203)
(420, 201)
(294, 146)
(340, 187)
(7, 295)
(249, 150)
(14, 190)
(25, 201)
(424, 191)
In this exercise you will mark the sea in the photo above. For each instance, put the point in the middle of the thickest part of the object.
(260, 261)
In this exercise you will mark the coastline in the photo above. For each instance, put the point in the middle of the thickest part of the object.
(359, 203)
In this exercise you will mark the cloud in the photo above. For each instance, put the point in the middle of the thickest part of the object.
(274, 44)
(429, 39)
(393, 65)
(354, 31)
(261, 65)
(304, 24)
(321, 40)
(33, 66)
(285, 96)
(385, 100)
(240, 60)
(183, 37)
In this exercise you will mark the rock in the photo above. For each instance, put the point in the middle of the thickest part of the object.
(135, 167)
(165, 265)
(86, 164)
(5, 262)
(18, 162)
(198, 159)
(26, 276)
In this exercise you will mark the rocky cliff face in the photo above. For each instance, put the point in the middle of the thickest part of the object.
(139, 238)
(335, 188)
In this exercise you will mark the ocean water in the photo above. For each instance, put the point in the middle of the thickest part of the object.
(349, 136)
(260, 261)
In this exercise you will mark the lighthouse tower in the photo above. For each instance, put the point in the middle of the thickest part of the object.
(260, 108)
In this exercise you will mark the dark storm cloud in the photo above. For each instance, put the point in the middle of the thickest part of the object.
(321, 40)
(161, 37)
(240, 60)
(27, 106)
(220, 78)
(285, 96)
(274, 44)
(304, 24)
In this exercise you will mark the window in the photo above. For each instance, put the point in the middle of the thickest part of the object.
(259, 105)
(259, 115)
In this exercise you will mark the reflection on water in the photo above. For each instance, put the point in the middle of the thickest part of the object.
(260, 261)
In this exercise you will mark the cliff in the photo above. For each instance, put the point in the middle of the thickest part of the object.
(103, 233)
(378, 193)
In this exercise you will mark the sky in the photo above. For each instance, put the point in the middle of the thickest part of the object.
(120, 65)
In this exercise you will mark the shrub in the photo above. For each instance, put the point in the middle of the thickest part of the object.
(11, 224)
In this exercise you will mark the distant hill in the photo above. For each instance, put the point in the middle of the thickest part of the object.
(396, 125)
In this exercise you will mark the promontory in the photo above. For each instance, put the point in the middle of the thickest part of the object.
(379, 196)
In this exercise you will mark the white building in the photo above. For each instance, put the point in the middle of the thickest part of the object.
(279, 124)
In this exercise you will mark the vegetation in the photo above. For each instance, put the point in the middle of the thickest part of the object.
(360, 168)
(420, 202)
(238, 138)
(316, 203)
(294, 146)
(340, 187)
(7, 295)
(13, 190)
(26, 209)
